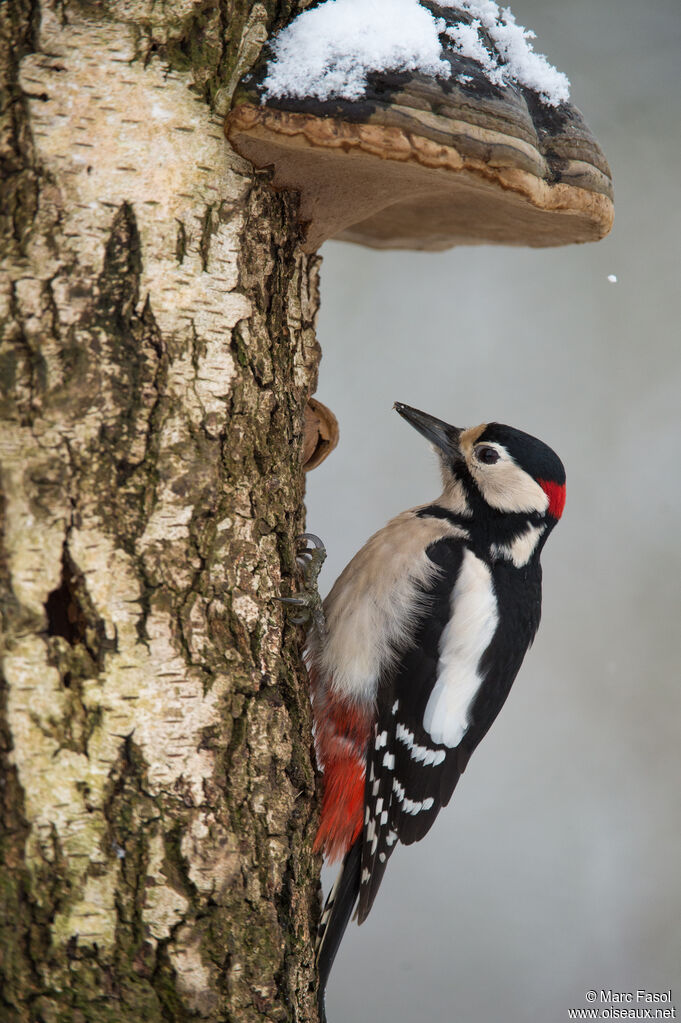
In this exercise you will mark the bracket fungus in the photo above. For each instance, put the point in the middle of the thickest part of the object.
(320, 434)
(415, 124)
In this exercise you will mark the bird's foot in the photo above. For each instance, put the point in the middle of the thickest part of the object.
(307, 603)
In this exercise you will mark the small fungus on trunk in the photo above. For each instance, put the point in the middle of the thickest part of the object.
(320, 434)
(439, 127)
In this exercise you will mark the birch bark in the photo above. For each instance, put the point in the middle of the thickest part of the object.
(157, 351)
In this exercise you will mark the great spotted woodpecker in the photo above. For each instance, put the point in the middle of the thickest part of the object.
(425, 631)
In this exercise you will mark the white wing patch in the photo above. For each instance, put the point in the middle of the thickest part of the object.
(473, 622)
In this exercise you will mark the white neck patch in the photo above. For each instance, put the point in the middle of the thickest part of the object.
(520, 550)
(473, 622)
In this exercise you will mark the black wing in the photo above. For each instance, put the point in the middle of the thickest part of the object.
(409, 777)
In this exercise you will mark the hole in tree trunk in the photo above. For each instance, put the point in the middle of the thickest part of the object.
(71, 614)
(64, 612)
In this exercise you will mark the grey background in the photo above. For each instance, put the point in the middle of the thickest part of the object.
(555, 869)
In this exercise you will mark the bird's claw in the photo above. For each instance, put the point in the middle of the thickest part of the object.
(292, 602)
(310, 559)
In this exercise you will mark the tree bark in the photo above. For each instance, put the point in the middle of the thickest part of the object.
(158, 348)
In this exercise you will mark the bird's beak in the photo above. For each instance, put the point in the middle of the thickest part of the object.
(442, 435)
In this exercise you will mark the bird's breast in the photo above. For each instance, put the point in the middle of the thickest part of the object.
(374, 606)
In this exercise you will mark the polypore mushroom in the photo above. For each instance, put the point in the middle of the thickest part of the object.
(439, 126)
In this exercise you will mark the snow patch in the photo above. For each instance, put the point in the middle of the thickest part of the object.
(328, 52)
(515, 59)
(467, 42)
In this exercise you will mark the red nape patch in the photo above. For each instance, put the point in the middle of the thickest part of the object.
(556, 495)
(342, 807)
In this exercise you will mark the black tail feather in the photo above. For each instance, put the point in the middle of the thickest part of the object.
(335, 916)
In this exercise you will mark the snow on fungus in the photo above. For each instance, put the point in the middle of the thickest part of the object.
(328, 51)
(514, 59)
(467, 41)
(422, 124)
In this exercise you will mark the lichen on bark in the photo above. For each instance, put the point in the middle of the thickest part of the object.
(157, 351)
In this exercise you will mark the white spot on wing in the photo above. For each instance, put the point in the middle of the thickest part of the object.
(389, 761)
(381, 740)
(467, 635)
(413, 806)
(421, 754)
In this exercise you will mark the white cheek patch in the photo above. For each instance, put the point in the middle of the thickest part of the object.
(507, 487)
(469, 632)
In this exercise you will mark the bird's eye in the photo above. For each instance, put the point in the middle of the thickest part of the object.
(487, 455)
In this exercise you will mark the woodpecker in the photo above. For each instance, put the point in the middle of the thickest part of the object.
(421, 639)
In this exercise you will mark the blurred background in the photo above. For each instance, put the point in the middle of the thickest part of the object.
(556, 868)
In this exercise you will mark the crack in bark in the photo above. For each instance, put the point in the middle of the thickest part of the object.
(18, 172)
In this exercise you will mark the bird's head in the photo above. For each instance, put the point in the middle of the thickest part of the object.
(495, 467)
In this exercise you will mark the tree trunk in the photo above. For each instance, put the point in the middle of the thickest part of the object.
(158, 348)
